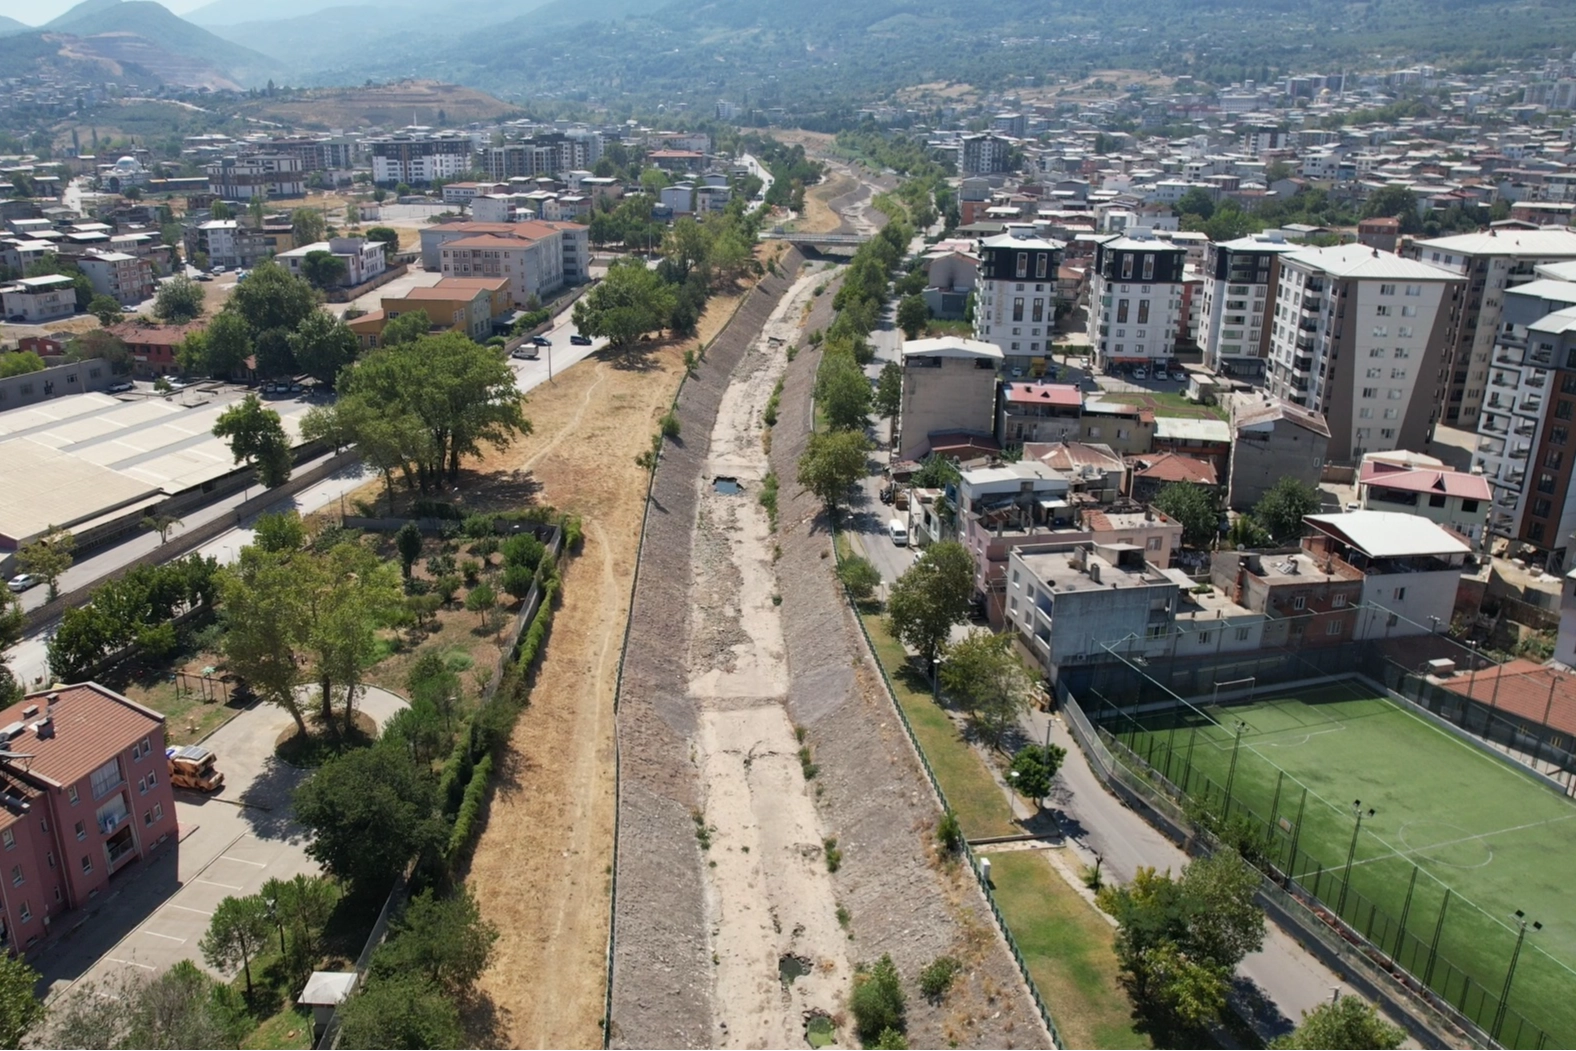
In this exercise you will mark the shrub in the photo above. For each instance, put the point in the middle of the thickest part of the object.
(485, 546)
(467, 819)
(877, 1000)
(834, 857)
(670, 425)
(949, 833)
(859, 577)
(524, 550)
(447, 587)
(936, 979)
(768, 497)
(477, 526)
(471, 570)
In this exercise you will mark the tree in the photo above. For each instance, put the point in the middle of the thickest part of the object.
(888, 400)
(877, 1000)
(444, 940)
(431, 681)
(306, 226)
(272, 298)
(1197, 201)
(20, 1010)
(982, 673)
(1282, 508)
(407, 540)
(842, 392)
(1395, 202)
(831, 464)
(407, 328)
(20, 363)
(106, 309)
(932, 596)
(912, 315)
(302, 906)
(400, 1012)
(257, 438)
(236, 932)
(685, 248)
(99, 345)
(323, 269)
(48, 558)
(1034, 767)
(181, 1008)
(1193, 507)
(323, 345)
(265, 616)
(1348, 1022)
(1246, 534)
(350, 594)
(482, 599)
(859, 577)
(629, 302)
(447, 397)
(161, 524)
(370, 811)
(281, 532)
(388, 237)
(222, 349)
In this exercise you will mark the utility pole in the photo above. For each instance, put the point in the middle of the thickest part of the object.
(1351, 853)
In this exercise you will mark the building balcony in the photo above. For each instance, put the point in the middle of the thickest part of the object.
(1306, 344)
(1537, 381)
(1312, 304)
(1494, 425)
(1532, 403)
(1308, 324)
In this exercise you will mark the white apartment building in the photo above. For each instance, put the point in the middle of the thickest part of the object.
(38, 299)
(417, 160)
(1135, 299)
(1490, 263)
(1360, 337)
(363, 259)
(1015, 294)
(257, 175)
(1238, 276)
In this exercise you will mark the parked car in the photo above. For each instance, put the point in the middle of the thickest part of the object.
(580, 341)
(524, 353)
(1160, 374)
(121, 388)
(541, 341)
(1140, 373)
(898, 532)
(219, 269)
(203, 275)
(22, 581)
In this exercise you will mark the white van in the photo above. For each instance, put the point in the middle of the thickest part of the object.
(898, 532)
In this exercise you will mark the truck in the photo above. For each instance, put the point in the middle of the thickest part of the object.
(192, 766)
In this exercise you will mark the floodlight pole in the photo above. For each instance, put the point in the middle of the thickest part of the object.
(1351, 852)
(1510, 973)
(1231, 775)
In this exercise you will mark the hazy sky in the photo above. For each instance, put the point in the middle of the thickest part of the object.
(37, 12)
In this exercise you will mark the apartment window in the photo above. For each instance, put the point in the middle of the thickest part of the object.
(1370, 392)
(16, 876)
(1408, 311)
(1022, 265)
(1041, 261)
(1339, 601)
(1387, 432)
(1015, 578)
(1203, 638)
(1398, 374)
(1374, 374)
(26, 913)
(1562, 411)
(106, 777)
(1392, 414)
(142, 786)
(87, 864)
(1333, 628)
(1387, 290)
(1469, 507)
(1127, 267)
(1153, 543)
(1393, 393)
(1039, 310)
(1017, 309)
(1400, 594)
(1404, 331)
(1365, 413)
(1414, 290)
(1242, 634)
(1149, 267)
(1436, 500)
(1377, 352)
(1552, 459)
(1143, 311)
(1382, 310)
(1568, 381)
(82, 831)
(1121, 311)
(1298, 602)
(1381, 332)
(8, 838)
(1558, 435)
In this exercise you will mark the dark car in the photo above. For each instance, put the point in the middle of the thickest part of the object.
(580, 341)
(541, 341)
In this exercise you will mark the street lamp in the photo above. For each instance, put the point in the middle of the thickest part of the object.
(272, 904)
(935, 680)
(1351, 852)
(1510, 973)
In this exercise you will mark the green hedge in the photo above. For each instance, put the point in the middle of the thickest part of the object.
(466, 828)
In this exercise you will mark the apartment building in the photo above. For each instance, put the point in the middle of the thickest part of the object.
(257, 175)
(1524, 433)
(418, 159)
(541, 155)
(39, 299)
(363, 259)
(984, 155)
(69, 817)
(1015, 295)
(124, 278)
(537, 256)
(1135, 299)
(1038, 412)
(1490, 264)
(949, 387)
(225, 242)
(1424, 486)
(1238, 278)
(1410, 567)
(1360, 337)
(1307, 601)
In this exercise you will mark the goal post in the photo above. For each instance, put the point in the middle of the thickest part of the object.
(1230, 687)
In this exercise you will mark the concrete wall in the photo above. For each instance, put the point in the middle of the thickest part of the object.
(958, 396)
(1257, 463)
(1423, 595)
(30, 388)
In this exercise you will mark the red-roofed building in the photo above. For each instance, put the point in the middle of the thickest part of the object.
(153, 347)
(677, 160)
(1426, 487)
(1038, 412)
(537, 257)
(84, 792)
(1154, 472)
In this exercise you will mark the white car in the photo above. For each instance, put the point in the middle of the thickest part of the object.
(898, 532)
(1160, 374)
(22, 581)
(1140, 373)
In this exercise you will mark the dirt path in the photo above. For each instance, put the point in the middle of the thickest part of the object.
(769, 895)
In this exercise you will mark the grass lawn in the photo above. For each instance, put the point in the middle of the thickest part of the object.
(290, 1027)
(974, 796)
(192, 708)
(1167, 403)
(1462, 819)
(1068, 947)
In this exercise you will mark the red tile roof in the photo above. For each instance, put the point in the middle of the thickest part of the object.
(91, 724)
(1044, 394)
(1451, 483)
(1174, 467)
(1523, 689)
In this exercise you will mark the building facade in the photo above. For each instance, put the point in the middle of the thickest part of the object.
(124, 278)
(1271, 440)
(419, 159)
(1135, 300)
(949, 387)
(1490, 264)
(257, 175)
(1015, 295)
(39, 299)
(1360, 338)
(1238, 278)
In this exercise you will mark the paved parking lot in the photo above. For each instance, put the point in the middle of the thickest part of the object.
(230, 843)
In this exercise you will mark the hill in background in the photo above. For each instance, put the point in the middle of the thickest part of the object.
(388, 106)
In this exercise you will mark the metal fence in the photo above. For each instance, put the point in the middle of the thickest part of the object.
(968, 851)
(1151, 751)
